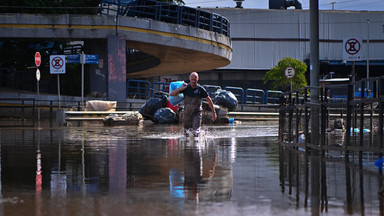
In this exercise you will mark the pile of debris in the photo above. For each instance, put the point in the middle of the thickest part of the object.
(161, 111)
(130, 118)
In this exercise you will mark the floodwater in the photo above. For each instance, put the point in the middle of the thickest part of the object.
(153, 170)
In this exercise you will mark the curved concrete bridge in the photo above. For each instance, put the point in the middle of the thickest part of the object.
(178, 48)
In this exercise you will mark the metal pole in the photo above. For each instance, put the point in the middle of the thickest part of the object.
(314, 45)
(82, 59)
(354, 77)
(38, 103)
(314, 67)
(368, 55)
(58, 89)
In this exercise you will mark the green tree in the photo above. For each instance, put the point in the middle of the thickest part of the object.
(276, 75)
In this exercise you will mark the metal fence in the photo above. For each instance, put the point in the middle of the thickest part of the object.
(167, 12)
(361, 119)
(141, 89)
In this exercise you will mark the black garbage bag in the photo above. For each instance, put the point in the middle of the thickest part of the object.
(151, 106)
(225, 99)
(165, 116)
(221, 113)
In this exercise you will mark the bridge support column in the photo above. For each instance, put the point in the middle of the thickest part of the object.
(117, 73)
(97, 72)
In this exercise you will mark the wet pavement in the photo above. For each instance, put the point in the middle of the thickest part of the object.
(153, 170)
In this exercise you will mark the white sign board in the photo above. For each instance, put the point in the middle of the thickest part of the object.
(38, 75)
(57, 64)
(289, 72)
(352, 49)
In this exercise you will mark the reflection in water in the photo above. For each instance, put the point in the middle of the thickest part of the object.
(58, 185)
(192, 172)
(39, 177)
(197, 180)
(333, 183)
(155, 171)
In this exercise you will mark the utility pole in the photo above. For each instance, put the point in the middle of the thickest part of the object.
(314, 69)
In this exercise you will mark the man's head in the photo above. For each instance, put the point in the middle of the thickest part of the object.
(193, 78)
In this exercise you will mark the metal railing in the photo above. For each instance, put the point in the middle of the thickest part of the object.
(21, 109)
(159, 88)
(138, 88)
(167, 12)
(141, 89)
(238, 92)
(254, 96)
(211, 89)
(363, 116)
(272, 96)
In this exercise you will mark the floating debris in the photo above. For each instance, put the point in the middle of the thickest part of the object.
(130, 118)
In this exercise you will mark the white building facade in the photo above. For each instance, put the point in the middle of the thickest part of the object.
(261, 38)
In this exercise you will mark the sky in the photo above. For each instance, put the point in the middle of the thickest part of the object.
(357, 5)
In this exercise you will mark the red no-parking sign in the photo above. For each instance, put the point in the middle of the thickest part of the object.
(57, 64)
(352, 49)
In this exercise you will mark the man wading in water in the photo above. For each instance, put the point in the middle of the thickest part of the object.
(193, 93)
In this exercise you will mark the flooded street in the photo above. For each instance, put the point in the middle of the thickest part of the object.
(154, 170)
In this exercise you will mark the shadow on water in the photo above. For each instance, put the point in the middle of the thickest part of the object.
(154, 170)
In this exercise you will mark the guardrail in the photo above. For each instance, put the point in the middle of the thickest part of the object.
(141, 89)
(167, 12)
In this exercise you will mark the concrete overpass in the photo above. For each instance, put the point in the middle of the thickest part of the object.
(178, 48)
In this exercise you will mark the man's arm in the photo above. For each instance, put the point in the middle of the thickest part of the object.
(177, 91)
(210, 103)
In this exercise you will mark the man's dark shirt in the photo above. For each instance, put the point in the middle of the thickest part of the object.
(199, 91)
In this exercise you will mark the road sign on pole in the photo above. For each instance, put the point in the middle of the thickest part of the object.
(38, 75)
(57, 64)
(83, 59)
(352, 49)
(289, 72)
(37, 59)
